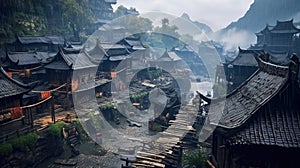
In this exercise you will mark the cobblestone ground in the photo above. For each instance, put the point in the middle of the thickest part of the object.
(109, 160)
(91, 156)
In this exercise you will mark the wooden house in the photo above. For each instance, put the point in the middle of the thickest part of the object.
(109, 56)
(132, 43)
(169, 61)
(11, 93)
(27, 65)
(239, 69)
(27, 60)
(111, 33)
(284, 37)
(193, 60)
(38, 43)
(259, 123)
(73, 69)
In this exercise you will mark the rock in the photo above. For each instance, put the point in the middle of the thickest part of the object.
(132, 124)
(66, 162)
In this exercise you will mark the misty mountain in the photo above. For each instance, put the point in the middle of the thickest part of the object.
(263, 12)
(200, 25)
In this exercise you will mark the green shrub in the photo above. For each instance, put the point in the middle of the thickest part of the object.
(28, 140)
(6, 149)
(56, 129)
(31, 139)
(195, 159)
(138, 97)
(107, 106)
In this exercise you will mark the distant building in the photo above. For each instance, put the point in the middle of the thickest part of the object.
(111, 33)
(102, 9)
(193, 60)
(132, 43)
(276, 43)
(169, 61)
(102, 12)
(259, 123)
(283, 37)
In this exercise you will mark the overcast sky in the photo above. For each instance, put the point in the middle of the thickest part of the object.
(216, 13)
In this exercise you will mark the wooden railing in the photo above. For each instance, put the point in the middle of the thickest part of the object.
(26, 122)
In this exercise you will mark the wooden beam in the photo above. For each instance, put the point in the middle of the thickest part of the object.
(150, 154)
(210, 164)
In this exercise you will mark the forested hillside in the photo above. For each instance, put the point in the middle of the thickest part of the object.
(39, 17)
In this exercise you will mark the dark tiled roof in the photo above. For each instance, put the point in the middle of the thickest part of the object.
(68, 61)
(29, 58)
(169, 56)
(264, 110)
(112, 52)
(115, 49)
(243, 102)
(58, 65)
(98, 52)
(56, 40)
(133, 43)
(265, 30)
(10, 87)
(278, 127)
(285, 27)
(33, 39)
(246, 57)
(41, 39)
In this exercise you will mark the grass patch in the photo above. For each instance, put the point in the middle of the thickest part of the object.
(6, 149)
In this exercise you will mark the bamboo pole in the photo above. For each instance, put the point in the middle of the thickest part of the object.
(36, 91)
(36, 104)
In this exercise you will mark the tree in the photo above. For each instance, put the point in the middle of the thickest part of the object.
(167, 29)
(122, 11)
(131, 20)
(137, 24)
(169, 35)
(75, 16)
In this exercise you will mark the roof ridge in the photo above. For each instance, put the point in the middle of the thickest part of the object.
(243, 51)
(271, 68)
(4, 73)
(69, 63)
